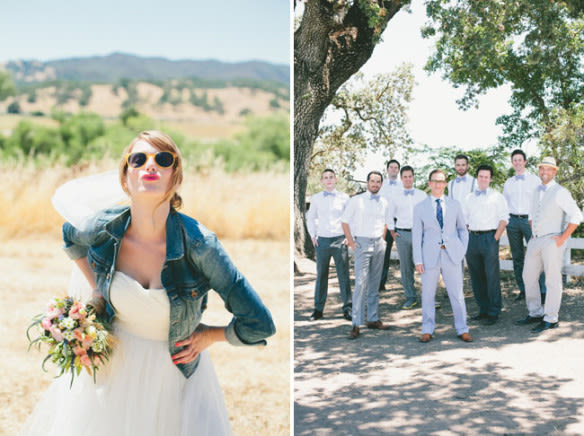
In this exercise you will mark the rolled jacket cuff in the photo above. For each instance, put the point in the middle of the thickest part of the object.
(76, 251)
(234, 339)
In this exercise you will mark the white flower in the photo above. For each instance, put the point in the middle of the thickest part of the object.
(68, 323)
(91, 331)
(68, 334)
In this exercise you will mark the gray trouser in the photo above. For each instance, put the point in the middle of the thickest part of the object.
(406, 262)
(453, 281)
(326, 248)
(543, 255)
(369, 254)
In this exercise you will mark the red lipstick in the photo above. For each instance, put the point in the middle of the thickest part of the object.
(150, 177)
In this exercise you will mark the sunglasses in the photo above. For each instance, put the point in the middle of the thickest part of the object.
(163, 159)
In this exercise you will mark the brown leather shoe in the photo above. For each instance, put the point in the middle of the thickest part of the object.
(425, 337)
(354, 333)
(466, 337)
(377, 325)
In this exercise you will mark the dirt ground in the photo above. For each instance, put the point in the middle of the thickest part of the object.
(507, 382)
(255, 381)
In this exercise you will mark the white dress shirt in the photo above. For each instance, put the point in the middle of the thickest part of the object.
(389, 189)
(565, 201)
(366, 217)
(460, 187)
(401, 207)
(324, 215)
(442, 203)
(484, 212)
(519, 192)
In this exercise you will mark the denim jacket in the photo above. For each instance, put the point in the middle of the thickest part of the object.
(195, 262)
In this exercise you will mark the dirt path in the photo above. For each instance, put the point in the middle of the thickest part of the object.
(507, 382)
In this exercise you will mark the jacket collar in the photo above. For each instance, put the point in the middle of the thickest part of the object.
(174, 241)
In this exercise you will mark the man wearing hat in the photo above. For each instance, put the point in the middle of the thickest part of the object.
(551, 205)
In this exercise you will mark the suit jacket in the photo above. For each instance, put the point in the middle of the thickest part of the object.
(427, 236)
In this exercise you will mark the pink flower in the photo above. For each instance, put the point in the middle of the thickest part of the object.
(86, 361)
(79, 351)
(57, 334)
(77, 311)
(78, 332)
(46, 323)
(87, 342)
(53, 313)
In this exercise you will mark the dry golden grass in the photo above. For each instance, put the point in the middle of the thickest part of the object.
(255, 381)
(235, 206)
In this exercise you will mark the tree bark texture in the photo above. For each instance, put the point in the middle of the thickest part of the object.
(331, 44)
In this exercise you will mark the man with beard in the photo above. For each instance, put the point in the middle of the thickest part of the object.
(459, 187)
(368, 215)
(551, 206)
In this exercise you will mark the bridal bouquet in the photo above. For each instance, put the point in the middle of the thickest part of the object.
(76, 338)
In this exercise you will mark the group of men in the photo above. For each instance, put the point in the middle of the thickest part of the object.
(434, 234)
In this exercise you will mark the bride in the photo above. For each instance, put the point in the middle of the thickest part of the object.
(150, 269)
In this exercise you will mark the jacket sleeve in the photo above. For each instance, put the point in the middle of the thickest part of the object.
(461, 228)
(417, 230)
(76, 242)
(252, 321)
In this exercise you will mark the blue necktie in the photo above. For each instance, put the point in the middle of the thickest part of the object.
(326, 193)
(460, 179)
(477, 193)
(409, 192)
(439, 213)
(520, 177)
(375, 197)
(392, 182)
(542, 188)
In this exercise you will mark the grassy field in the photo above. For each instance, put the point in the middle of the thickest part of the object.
(253, 205)
(249, 212)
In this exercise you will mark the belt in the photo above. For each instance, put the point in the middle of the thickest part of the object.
(481, 232)
(402, 230)
(519, 216)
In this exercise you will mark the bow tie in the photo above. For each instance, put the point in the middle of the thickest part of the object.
(409, 192)
(392, 182)
(542, 188)
(326, 193)
(374, 197)
(520, 177)
(461, 179)
(477, 193)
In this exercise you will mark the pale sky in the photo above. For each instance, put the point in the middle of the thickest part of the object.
(230, 30)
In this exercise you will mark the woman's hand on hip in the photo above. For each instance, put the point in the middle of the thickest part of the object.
(203, 337)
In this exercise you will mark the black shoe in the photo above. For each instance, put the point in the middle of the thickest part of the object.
(520, 297)
(544, 325)
(543, 298)
(317, 314)
(490, 320)
(381, 288)
(347, 314)
(529, 320)
(479, 317)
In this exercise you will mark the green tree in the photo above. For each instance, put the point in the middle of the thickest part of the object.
(536, 46)
(13, 108)
(7, 88)
(365, 116)
(333, 40)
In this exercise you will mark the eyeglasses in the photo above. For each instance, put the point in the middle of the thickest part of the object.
(163, 159)
(438, 181)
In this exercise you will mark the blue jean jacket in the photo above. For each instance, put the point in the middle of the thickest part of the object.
(195, 262)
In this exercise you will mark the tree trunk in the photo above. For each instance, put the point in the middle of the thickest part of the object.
(326, 55)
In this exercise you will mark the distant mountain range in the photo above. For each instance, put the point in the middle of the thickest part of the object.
(116, 66)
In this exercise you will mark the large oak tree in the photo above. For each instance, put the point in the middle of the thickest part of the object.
(333, 41)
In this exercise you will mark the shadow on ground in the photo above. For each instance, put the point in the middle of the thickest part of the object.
(389, 382)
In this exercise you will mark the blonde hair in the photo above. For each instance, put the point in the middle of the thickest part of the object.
(162, 142)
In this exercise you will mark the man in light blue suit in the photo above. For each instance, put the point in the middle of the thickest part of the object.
(439, 240)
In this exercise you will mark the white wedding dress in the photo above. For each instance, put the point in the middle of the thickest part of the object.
(139, 391)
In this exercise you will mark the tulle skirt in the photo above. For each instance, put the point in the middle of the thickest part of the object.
(138, 392)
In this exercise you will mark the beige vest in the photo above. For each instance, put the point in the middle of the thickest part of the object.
(548, 217)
